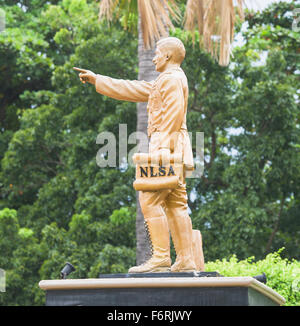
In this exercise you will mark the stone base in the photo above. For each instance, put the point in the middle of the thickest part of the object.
(160, 275)
(154, 290)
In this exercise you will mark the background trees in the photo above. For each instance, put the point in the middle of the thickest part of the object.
(250, 182)
(57, 205)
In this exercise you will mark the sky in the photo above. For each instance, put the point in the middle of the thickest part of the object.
(261, 4)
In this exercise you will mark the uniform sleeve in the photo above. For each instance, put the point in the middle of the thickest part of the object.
(172, 110)
(125, 90)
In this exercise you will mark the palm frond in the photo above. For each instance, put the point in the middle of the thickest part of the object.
(155, 16)
(155, 19)
(107, 9)
(216, 20)
(194, 15)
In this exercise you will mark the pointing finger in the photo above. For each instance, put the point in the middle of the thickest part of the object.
(80, 69)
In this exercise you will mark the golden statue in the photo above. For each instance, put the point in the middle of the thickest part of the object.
(163, 197)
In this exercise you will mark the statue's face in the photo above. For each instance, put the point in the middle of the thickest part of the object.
(160, 60)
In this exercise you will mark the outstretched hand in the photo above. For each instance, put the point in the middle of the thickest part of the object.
(86, 76)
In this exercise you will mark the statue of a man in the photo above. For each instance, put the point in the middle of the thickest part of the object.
(167, 97)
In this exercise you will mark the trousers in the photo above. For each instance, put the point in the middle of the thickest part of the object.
(161, 202)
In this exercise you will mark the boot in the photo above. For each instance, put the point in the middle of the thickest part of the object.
(181, 232)
(160, 260)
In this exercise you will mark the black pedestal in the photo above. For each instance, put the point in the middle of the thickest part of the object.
(164, 289)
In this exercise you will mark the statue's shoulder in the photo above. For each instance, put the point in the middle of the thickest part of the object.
(171, 76)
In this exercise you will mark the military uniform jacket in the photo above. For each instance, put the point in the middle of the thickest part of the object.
(167, 98)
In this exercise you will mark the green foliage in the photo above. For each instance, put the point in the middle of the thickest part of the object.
(92, 247)
(283, 275)
(57, 205)
(20, 258)
(113, 260)
(9, 235)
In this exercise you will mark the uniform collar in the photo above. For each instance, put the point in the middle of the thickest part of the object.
(172, 69)
(167, 71)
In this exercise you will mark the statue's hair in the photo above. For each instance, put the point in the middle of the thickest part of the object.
(175, 45)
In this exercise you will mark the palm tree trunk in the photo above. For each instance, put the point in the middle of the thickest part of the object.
(146, 72)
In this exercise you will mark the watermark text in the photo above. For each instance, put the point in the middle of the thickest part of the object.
(181, 142)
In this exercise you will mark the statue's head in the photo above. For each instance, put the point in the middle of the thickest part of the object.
(169, 51)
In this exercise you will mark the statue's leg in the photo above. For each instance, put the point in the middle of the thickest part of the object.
(158, 230)
(180, 226)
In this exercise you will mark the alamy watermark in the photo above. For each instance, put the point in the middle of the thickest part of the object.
(107, 154)
(2, 280)
(296, 21)
(2, 20)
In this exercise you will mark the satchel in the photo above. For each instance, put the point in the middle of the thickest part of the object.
(153, 174)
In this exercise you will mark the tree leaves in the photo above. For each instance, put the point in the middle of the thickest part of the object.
(57, 205)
